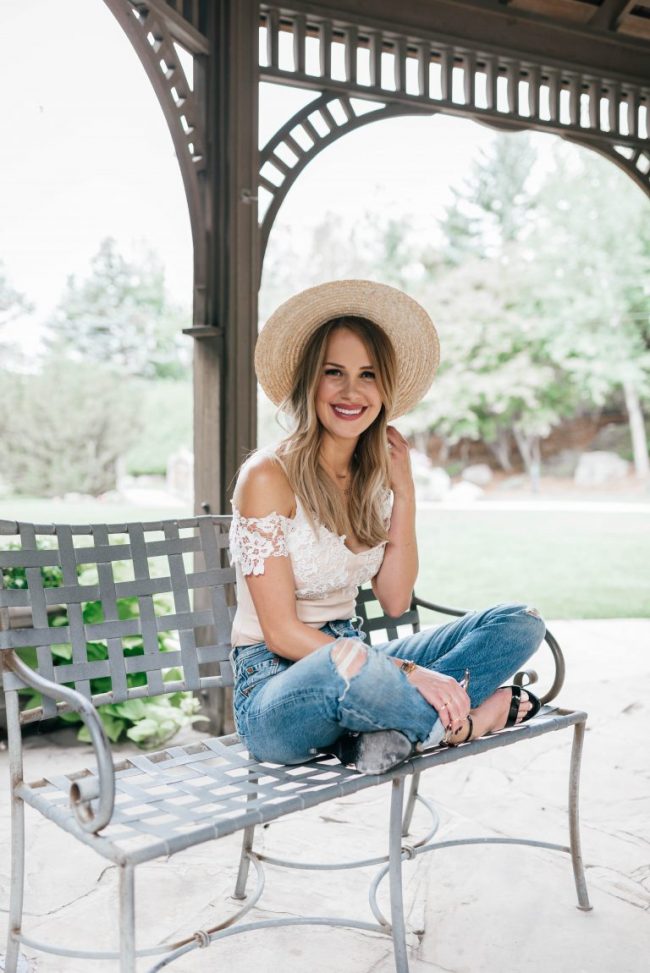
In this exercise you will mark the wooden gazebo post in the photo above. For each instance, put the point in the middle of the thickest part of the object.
(225, 412)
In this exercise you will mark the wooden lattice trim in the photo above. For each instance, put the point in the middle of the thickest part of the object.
(602, 111)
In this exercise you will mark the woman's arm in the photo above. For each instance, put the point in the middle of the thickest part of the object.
(262, 489)
(393, 583)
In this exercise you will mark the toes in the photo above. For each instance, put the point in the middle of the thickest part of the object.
(525, 706)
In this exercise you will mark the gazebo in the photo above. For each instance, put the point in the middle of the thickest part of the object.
(577, 68)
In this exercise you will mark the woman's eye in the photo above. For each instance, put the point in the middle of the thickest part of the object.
(370, 375)
(332, 371)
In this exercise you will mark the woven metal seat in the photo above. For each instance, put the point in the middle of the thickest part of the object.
(182, 796)
(179, 587)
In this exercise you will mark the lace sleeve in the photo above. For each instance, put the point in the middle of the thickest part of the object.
(254, 539)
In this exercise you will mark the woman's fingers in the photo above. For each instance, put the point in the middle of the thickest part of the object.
(447, 709)
(451, 717)
(454, 705)
(445, 694)
(396, 439)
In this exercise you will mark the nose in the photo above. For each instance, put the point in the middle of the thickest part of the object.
(349, 386)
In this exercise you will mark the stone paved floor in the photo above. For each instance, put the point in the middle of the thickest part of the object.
(471, 910)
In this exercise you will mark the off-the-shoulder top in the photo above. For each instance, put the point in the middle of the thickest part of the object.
(327, 573)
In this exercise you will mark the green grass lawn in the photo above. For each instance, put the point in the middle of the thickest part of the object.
(84, 511)
(568, 565)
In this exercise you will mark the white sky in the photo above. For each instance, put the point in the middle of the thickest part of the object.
(85, 153)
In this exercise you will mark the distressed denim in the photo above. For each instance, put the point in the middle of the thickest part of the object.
(287, 711)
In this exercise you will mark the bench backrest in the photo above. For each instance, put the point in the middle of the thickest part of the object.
(127, 611)
(119, 611)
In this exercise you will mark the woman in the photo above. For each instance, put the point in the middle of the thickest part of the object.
(332, 507)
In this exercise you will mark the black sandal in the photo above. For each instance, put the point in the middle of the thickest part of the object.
(449, 737)
(515, 702)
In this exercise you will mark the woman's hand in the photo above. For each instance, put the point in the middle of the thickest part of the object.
(401, 477)
(445, 694)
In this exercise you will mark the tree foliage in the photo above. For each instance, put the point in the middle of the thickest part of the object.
(492, 208)
(12, 305)
(68, 427)
(497, 381)
(555, 281)
(12, 302)
(594, 247)
(120, 314)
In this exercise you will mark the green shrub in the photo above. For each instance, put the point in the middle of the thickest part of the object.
(65, 428)
(165, 414)
(148, 722)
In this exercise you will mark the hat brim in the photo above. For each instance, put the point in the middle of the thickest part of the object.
(282, 340)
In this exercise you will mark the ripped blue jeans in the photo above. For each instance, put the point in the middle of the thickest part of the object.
(287, 711)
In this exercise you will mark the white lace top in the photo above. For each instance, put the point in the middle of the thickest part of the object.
(326, 572)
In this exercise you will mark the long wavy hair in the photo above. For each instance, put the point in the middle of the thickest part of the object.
(363, 515)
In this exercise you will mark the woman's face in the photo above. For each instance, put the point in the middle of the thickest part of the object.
(347, 396)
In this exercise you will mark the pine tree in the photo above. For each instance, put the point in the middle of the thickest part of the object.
(492, 207)
(120, 315)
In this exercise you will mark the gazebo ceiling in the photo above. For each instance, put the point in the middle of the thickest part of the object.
(616, 16)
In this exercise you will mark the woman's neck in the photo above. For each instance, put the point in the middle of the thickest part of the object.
(337, 457)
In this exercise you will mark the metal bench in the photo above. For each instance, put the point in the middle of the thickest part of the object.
(152, 805)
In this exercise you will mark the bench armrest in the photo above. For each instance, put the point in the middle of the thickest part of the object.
(549, 638)
(84, 790)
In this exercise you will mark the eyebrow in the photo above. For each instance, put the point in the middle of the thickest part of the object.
(362, 368)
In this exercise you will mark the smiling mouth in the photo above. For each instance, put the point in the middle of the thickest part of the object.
(348, 413)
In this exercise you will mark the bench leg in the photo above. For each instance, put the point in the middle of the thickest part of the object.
(17, 884)
(410, 805)
(127, 919)
(244, 863)
(246, 847)
(574, 820)
(395, 873)
(16, 893)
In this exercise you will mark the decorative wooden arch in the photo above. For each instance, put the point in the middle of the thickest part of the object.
(330, 129)
(575, 68)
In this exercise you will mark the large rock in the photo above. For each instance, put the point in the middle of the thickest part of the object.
(464, 492)
(599, 467)
(479, 473)
(431, 482)
(439, 484)
(613, 438)
(564, 463)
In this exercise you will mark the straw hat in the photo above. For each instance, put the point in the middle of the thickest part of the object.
(283, 338)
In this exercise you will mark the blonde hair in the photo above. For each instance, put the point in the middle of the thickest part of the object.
(299, 451)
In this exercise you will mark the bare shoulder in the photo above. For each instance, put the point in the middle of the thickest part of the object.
(263, 488)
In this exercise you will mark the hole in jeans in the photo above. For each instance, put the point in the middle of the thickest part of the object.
(349, 656)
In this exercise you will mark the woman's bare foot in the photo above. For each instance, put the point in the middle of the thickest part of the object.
(490, 716)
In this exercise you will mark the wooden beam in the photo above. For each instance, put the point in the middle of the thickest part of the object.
(491, 27)
(610, 13)
(563, 10)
